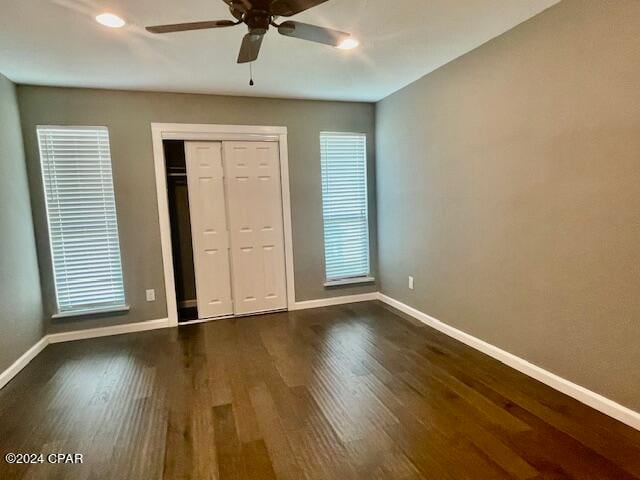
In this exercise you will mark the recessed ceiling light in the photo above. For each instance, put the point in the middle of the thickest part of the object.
(110, 20)
(348, 43)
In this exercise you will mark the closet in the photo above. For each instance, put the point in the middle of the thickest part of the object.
(225, 208)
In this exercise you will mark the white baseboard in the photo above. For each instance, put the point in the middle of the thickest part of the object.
(30, 354)
(327, 302)
(22, 362)
(582, 394)
(106, 331)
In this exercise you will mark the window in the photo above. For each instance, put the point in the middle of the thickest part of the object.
(344, 206)
(81, 213)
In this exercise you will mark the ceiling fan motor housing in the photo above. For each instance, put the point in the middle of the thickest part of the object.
(257, 20)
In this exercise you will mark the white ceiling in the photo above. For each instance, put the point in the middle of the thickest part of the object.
(57, 42)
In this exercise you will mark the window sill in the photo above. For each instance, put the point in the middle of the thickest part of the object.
(349, 281)
(91, 311)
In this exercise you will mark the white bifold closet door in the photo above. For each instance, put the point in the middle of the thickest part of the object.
(254, 203)
(209, 230)
(235, 204)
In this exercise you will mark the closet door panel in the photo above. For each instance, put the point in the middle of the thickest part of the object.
(205, 178)
(254, 201)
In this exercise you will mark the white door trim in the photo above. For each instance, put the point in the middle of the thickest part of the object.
(186, 131)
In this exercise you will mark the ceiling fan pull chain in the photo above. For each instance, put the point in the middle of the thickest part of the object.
(251, 74)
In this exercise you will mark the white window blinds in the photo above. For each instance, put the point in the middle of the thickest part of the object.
(344, 205)
(81, 212)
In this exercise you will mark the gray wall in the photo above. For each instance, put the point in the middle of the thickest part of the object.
(128, 116)
(20, 300)
(509, 185)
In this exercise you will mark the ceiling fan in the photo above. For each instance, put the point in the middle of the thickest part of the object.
(258, 15)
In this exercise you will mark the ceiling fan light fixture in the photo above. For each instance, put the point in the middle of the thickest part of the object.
(348, 43)
(110, 20)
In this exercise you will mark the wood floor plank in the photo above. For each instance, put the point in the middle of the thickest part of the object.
(257, 461)
(277, 442)
(228, 447)
(347, 392)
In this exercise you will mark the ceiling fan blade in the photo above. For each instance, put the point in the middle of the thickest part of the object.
(182, 27)
(245, 4)
(287, 8)
(250, 48)
(236, 12)
(239, 5)
(312, 33)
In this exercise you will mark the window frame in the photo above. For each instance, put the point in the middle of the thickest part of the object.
(92, 310)
(356, 279)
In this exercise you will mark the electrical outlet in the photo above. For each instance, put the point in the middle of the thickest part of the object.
(151, 295)
(410, 282)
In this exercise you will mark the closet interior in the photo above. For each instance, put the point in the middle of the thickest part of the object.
(181, 242)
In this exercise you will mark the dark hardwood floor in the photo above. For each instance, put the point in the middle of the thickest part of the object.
(349, 392)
